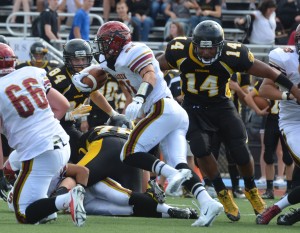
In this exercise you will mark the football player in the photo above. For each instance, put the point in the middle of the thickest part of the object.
(77, 55)
(29, 114)
(287, 61)
(206, 62)
(163, 121)
(38, 54)
(272, 136)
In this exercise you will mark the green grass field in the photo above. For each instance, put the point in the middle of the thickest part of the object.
(97, 224)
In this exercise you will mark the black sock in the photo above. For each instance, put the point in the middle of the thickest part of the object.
(141, 160)
(35, 213)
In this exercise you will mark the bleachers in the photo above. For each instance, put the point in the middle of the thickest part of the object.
(157, 32)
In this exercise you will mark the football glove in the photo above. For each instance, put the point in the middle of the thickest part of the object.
(5, 187)
(80, 111)
(133, 109)
(76, 79)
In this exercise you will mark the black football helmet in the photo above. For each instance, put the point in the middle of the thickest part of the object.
(297, 39)
(38, 52)
(111, 38)
(120, 121)
(208, 34)
(74, 50)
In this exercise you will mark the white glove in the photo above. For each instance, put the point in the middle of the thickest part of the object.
(80, 111)
(76, 79)
(133, 109)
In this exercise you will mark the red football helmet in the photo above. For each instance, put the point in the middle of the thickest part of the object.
(7, 59)
(111, 38)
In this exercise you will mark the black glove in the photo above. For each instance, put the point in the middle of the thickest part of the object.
(5, 186)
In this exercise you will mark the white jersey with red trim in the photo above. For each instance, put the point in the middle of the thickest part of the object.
(286, 60)
(132, 59)
(27, 119)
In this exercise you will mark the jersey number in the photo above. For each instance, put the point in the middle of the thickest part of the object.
(22, 103)
(210, 84)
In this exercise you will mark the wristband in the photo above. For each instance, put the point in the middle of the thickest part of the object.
(283, 81)
(285, 95)
(144, 90)
(84, 118)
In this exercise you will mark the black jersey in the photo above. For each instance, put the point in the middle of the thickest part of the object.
(60, 79)
(243, 79)
(202, 83)
(48, 65)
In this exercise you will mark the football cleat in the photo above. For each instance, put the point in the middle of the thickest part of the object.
(76, 205)
(269, 194)
(175, 212)
(155, 192)
(256, 201)
(230, 208)
(176, 181)
(267, 215)
(48, 219)
(208, 212)
(290, 218)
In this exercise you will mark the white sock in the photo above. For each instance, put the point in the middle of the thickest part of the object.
(164, 169)
(283, 203)
(163, 208)
(202, 195)
(62, 201)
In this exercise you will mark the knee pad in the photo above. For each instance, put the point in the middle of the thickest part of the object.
(268, 158)
(200, 145)
(241, 154)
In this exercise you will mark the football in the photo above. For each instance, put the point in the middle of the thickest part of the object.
(261, 102)
(96, 79)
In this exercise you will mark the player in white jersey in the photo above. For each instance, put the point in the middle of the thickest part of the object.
(287, 61)
(29, 114)
(163, 121)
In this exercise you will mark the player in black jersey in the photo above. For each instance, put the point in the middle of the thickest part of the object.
(77, 56)
(206, 62)
(38, 54)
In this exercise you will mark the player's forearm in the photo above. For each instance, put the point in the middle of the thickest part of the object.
(102, 103)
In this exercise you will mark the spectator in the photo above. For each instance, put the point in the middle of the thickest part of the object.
(158, 6)
(179, 10)
(288, 13)
(49, 22)
(81, 23)
(140, 10)
(108, 5)
(263, 25)
(26, 8)
(175, 30)
(125, 17)
(69, 6)
(207, 10)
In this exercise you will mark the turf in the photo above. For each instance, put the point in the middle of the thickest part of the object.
(97, 224)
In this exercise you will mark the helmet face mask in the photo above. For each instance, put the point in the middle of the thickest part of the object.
(7, 59)
(111, 38)
(208, 40)
(77, 55)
